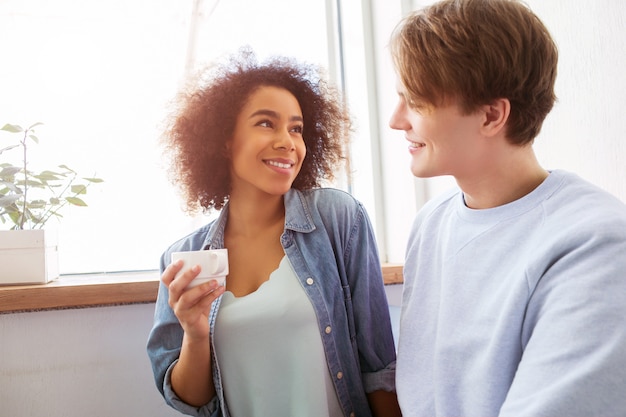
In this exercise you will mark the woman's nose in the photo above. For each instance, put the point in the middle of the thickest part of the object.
(283, 140)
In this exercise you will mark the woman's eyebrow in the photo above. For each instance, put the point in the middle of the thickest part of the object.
(275, 115)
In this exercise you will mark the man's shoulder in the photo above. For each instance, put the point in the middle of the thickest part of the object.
(580, 214)
(440, 202)
(578, 198)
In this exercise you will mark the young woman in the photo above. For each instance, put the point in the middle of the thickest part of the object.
(302, 326)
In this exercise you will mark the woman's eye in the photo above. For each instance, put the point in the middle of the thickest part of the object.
(297, 129)
(264, 123)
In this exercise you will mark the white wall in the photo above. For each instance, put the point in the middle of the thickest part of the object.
(77, 363)
(586, 131)
(87, 362)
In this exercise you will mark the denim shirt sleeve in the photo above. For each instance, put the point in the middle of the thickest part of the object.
(164, 344)
(353, 292)
(209, 410)
(372, 323)
(165, 340)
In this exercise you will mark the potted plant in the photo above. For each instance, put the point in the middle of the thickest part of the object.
(28, 200)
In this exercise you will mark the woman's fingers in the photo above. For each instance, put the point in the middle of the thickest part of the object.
(211, 291)
(181, 296)
(193, 307)
(190, 305)
(177, 281)
(201, 296)
(170, 272)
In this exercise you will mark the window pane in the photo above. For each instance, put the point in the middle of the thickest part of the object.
(99, 75)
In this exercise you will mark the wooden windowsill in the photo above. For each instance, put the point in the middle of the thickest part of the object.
(80, 291)
(392, 274)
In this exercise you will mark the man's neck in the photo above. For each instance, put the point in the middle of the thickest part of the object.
(503, 181)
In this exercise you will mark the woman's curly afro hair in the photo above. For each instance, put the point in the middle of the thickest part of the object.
(204, 116)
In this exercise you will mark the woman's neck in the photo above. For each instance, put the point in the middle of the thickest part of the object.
(250, 217)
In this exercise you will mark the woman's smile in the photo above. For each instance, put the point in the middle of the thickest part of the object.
(282, 164)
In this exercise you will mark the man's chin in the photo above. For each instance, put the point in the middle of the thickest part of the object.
(421, 172)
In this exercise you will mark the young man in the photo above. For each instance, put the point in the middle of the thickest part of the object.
(515, 285)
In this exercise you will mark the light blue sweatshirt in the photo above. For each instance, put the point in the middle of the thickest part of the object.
(519, 310)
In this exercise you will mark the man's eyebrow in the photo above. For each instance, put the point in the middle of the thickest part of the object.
(275, 115)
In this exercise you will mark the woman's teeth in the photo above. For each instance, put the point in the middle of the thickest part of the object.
(279, 164)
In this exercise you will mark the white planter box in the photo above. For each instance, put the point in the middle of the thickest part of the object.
(28, 257)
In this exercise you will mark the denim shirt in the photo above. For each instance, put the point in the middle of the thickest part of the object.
(329, 241)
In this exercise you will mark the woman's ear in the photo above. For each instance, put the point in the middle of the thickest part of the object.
(496, 115)
(226, 149)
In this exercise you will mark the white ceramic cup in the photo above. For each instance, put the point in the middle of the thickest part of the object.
(213, 265)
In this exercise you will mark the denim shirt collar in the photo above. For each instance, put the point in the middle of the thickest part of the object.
(297, 218)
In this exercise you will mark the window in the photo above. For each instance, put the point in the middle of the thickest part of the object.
(99, 75)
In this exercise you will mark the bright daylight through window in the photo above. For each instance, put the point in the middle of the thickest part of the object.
(99, 74)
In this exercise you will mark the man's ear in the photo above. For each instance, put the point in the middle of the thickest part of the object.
(496, 114)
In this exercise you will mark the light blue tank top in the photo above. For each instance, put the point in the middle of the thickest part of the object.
(270, 352)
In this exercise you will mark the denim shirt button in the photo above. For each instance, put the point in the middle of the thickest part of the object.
(339, 375)
(327, 329)
(309, 281)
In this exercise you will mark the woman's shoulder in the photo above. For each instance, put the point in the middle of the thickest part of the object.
(192, 241)
(330, 199)
(325, 191)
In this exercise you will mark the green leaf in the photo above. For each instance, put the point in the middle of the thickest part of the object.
(47, 176)
(36, 204)
(34, 125)
(48, 172)
(76, 201)
(12, 128)
(12, 208)
(30, 183)
(94, 180)
(66, 167)
(12, 187)
(15, 217)
(8, 148)
(9, 171)
(79, 189)
(7, 200)
(34, 138)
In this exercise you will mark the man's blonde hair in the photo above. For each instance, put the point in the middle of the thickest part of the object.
(477, 51)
